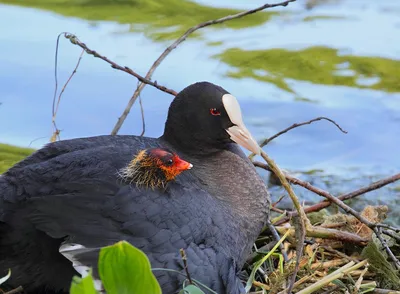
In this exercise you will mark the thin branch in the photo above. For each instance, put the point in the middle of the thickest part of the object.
(391, 234)
(74, 40)
(337, 252)
(361, 191)
(273, 208)
(337, 200)
(266, 141)
(303, 222)
(55, 105)
(277, 202)
(378, 232)
(168, 50)
(55, 74)
(66, 84)
(142, 115)
(34, 140)
(376, 227)
(184, 260)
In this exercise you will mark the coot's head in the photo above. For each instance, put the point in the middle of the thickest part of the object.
(204, 118)
(154, 168)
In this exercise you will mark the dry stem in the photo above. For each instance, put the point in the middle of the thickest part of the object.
(336, 200)
(184, 260)
(56, 133)
(303, 221)
(74, 40)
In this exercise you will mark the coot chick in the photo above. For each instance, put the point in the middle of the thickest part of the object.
(68, 197)
(154, 168)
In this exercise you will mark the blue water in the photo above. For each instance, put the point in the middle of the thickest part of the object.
(97, 94)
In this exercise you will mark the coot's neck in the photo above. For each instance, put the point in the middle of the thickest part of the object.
(183, 140)
(242, 197)
(231, 178)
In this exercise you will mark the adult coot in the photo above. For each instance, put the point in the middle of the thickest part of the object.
(68, 195)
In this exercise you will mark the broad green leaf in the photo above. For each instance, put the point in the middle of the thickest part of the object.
(83, 285)
(191, 289)
(124, 269)
(5, 278)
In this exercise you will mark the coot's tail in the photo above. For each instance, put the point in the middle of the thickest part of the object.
(32, 255)
(83, 260)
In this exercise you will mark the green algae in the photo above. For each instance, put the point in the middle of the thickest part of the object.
(151, 17)
(215, 43)
(319, 65)
(312, 18)
(386, 275)
(10, 155)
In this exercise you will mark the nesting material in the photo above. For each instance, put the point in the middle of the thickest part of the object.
(331, 266)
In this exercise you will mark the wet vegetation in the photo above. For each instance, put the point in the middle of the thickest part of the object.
(10, 155)
(159, 20)
(319, 65)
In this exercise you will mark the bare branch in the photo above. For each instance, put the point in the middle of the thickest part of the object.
(385, 245)
(74, 40)
(323, 193)
(266, 141)
(55, 110)
(376, 227)
(185, 266)
(142, 115)
(55, 105)
(302, 223)
(182, 38)
(391, 234)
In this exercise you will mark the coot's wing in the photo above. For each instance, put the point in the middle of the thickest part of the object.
(56, 149)
(161, 224)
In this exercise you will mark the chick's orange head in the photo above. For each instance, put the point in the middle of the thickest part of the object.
(169, 162)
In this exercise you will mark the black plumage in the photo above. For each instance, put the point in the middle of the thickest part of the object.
(69, 192)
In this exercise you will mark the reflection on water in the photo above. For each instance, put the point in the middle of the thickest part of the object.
(319, 65)
(159, 20)
(286, 65)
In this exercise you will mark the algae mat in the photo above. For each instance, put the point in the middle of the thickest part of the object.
(10, 155)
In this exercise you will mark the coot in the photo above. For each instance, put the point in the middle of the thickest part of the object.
(68, 195)
(153, 168)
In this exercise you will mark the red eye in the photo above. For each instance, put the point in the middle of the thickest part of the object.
(215, 111)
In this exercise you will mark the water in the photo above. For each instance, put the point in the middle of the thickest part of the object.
(352, 76)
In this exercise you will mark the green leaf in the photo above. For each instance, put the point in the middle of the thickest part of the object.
(124, 269)
(191, 289)
(5, 278)
(83, 285)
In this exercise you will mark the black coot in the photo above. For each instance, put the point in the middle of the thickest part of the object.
(68, 195)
